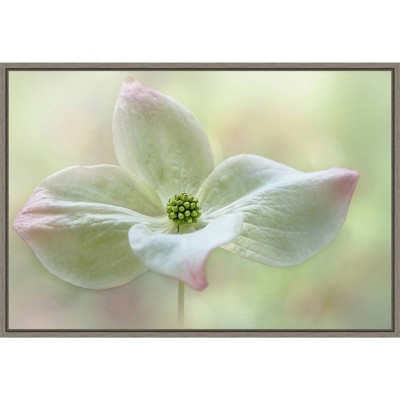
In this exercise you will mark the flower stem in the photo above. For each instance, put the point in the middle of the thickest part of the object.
(181, 305)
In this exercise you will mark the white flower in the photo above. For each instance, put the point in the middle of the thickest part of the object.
(102, 226)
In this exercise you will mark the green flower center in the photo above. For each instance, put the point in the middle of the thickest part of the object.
(183, 209)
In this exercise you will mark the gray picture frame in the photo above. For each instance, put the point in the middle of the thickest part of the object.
(4, 70)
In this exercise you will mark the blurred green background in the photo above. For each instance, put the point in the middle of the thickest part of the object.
(309, 120)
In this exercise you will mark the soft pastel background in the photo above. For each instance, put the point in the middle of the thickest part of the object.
(308, 120)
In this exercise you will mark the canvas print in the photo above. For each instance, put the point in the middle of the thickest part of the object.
(145, 200)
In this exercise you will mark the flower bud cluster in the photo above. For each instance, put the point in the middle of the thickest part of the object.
(183, 209)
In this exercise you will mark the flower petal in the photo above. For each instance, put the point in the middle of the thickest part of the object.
(160, 140)
(77, 223)
(288, 215)
(239, 176)
(183, 256)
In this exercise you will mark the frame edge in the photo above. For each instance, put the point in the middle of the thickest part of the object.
(3, 191)
(395, 197)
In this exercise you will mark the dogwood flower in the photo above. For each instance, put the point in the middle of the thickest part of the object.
(166, 207)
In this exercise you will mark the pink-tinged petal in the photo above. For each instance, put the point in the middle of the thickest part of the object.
(77, 223)
(160, 140)
(183, 256)
(288, 215)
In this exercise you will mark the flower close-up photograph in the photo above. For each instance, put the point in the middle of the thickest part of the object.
(200, 200)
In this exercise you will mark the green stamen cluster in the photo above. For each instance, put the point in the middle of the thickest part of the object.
(183, 209)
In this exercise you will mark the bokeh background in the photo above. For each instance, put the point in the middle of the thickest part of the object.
(310, 120)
